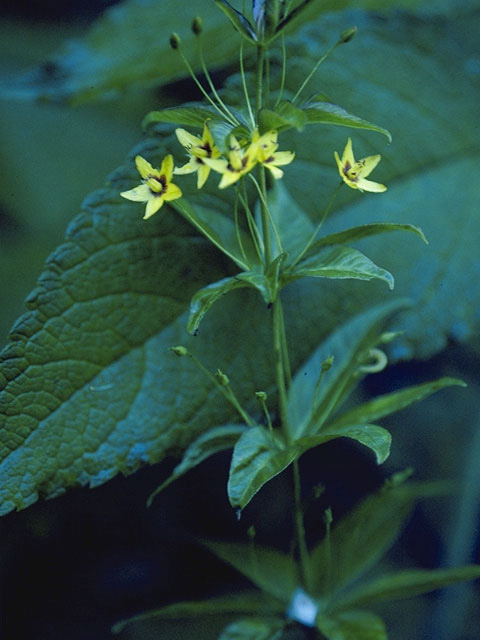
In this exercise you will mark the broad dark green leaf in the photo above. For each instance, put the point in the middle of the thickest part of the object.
(338, 262)
(272, 571)
(372, 436)
(327, 113)
(206, 297)
(206, 445)
(253, 629)
(285, 116)
(310, 404)
(362, 537)
(258, 456)
(389, 403)
(365, 231)
(408, 584)
(352, 625)
(240, 603)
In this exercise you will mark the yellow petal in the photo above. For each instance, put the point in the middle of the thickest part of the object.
(339, 165)
(153, 205)
(347, 157)
(217, 164)
(276, 173)
(207, 137)
(144, 168)
(138, 194)
(187, 140)
(167, 167)
(282, 157)
(235, 154)
(203, 172)
(368, 185)
(190, 167)
(366, 166)
(172, 192)
(228, 178)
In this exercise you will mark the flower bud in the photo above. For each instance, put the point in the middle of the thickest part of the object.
(222, 378)
(197, 25)
(327, 364)
(175, 41)
(261, 395)
(179, 351)
(347, 35)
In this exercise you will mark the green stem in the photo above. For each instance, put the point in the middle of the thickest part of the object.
(260, 65)
(300, 528)
(318, 227)
(279, 362)
(312, 72)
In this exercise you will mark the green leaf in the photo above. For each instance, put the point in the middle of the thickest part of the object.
(238, 20)
(258, 456)
(240, 603)
(253, 629)
(337, 262)
(389, 403)
(220, 230)
(308, 406)
(408, 584)
(327, 113)
(352, 625)
(205, 298)
(206, 445)
(362, 537)
(186, 116)
(272, 571)
(365, 231)
(372, 436)
(285, 116)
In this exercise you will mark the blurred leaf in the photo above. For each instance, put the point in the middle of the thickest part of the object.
(352, 625)
(253, 629)
(285, 116)
(258, 456)
(391, 402)
(363, 536)
(408, 584)
(239, 603)
(206, 445)
(272, 571)
(186, 116)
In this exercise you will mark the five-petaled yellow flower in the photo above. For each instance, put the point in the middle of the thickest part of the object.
(198, 149)
(239, 162)
(156, 187)
(354, 173)
(267, 153)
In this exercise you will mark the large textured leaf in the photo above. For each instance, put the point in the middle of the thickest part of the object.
(129, 46)
(435, 145)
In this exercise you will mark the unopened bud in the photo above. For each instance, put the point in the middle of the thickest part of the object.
(347, 35)
(197, 25)
(261, 395)
(175, 40)
(179, 351)
(327, 364)
(222, 378)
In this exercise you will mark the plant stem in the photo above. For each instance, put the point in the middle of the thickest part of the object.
(260, 65)
(300, 527)
(278, 343)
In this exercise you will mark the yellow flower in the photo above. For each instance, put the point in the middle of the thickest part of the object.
(239, 162)
(198, 149)
(267, 153)
(354, 173)
(156, 187)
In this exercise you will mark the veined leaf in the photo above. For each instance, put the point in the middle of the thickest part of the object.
(310, 404)
(365, 231)
(408, 584)
(194, 116)
(389, 403)
(206, 445)
(338, 262)
(285, 116)
(204, 298)
(272, 571)
(258, 456)
(352, 625)
(361, 538)
(241, 603)
(238, 20)
(327, 113)
(372, 436)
